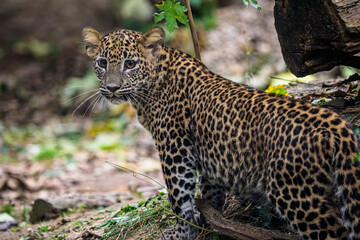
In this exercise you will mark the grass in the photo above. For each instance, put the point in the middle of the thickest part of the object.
(148, 216)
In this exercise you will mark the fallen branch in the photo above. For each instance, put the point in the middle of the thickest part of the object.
(238, 230)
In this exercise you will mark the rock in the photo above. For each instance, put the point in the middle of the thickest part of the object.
(45, 209)
(7, 222)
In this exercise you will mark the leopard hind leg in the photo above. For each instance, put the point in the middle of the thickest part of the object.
(304, 201)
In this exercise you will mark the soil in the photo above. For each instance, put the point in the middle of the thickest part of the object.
(90, 185)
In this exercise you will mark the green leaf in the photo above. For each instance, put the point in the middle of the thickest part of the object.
(253, 3)
(164, 5)
(170, 19)
(180, 13)
(171, 12)
(159, 16)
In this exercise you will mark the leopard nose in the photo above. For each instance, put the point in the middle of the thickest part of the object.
(113, 88)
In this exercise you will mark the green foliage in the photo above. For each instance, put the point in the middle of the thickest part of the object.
(35, 47)
(146, 216)
(76, 223)
(25, 214)
(44, 228)
(47, 152)
(79, 88)
(252, 3)
(354, 77)
(7, 208)
(107, 135)
(172, 12)
(204, 12)
(70, 211)
(34, 143)
(61, 141)
(279, 90)
(59, 237)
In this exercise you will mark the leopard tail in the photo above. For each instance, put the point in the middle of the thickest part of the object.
(347, 181)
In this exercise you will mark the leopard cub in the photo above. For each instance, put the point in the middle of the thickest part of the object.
(242, 141)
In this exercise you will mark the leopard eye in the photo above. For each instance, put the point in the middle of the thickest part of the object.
(102, 63)
(129, 64)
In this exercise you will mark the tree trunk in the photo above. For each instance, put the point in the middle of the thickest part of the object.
(317, 35)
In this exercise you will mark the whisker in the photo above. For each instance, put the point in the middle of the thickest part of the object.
(97, 101)
(128, 100)
(149, 103)
(72, 87)
(151, 98)
(82, 103)
(134, 173)
(131, 95)
(104, 103)
(81, 95)
(96, 98)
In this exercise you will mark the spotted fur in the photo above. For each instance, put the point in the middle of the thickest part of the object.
(242, 141)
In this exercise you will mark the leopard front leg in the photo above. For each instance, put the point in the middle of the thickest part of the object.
(179, 171)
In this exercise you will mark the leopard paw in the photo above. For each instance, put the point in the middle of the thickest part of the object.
(180, 233)
(172, 233)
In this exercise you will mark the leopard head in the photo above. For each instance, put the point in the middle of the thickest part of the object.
(124, 60)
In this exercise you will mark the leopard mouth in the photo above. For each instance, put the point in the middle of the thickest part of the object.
(118, 96)
(116, 100)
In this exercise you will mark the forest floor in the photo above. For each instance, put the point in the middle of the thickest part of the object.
(72, 168)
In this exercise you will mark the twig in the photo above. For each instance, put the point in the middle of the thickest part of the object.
(295, 80)
(181, 219)
(352, 110)
(193, 30)
(240, 212)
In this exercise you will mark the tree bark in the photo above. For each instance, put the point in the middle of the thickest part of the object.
(317, 35)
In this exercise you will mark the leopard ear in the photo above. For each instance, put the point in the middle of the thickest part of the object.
(91, 38)
(151, 43)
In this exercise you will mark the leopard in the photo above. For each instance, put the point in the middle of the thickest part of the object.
(232, 139)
